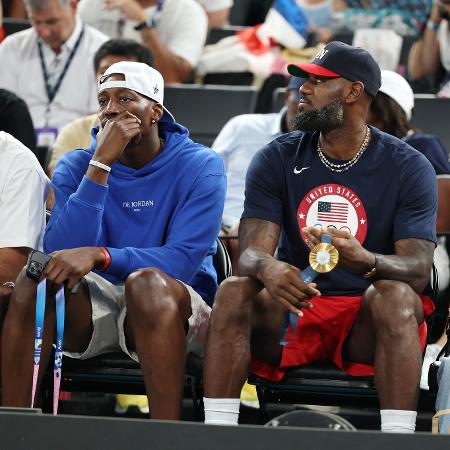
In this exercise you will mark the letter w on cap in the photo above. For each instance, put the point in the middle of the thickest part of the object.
(321, 54)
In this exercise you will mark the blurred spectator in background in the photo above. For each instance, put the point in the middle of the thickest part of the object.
(320, 14)
(44, 63)
(173, 30)
(77, 134)
(432, 50)
(257, 12)
(237, 142)
(415, 10)
(15, 119)
(14, 9)
(218, 11)
(2, 31)
(391, 111)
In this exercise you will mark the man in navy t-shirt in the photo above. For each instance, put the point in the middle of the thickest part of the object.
(375, 198)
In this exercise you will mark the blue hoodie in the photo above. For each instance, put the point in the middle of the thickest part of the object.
(166, 214)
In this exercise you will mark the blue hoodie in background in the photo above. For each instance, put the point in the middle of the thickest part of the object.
(166, 214)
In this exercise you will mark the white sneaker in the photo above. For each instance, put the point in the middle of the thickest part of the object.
(431, 353)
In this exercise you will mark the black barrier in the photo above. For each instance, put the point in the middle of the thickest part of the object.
(45, 432)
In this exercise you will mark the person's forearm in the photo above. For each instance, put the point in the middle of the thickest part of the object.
(85, 206)
(409, 269)
(217, 19)
(97, 175)
(11, 262)
(253, 263)
(339, 5)
(173, 68)
(17, 10)
(424, 55)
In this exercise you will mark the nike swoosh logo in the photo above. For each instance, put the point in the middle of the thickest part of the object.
(296, 171)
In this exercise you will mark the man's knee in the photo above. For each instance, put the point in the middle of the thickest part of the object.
(393, 303)
(235, 291)
(149, 293)
(233, 301)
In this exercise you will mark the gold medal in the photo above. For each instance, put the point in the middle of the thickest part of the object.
(323, 257)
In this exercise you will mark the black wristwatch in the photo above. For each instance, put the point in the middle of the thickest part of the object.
(36, 264)
(149, 23)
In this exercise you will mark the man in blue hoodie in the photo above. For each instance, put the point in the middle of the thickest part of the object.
(139, 212)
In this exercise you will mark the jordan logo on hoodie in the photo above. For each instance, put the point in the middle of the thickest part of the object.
(138, 205)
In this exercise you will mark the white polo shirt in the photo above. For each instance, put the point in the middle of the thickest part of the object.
(182, 25)
(21, 73)
(238, 141)
(23, 191)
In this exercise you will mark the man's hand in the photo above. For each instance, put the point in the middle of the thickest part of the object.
(352, 255)
(114, 136)
(439, 11)
(284, 285)
(5, 293)
(130, 8)
(72, 265)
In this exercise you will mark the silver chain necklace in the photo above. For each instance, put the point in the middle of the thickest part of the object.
(344, 166)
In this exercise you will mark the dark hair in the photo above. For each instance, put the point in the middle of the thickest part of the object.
(391, 114)
(123, 47)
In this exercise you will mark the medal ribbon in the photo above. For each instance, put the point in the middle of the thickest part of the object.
(307, 275)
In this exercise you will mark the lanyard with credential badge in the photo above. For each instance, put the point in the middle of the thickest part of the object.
(157, 15)
(51, 92)
(39, 332)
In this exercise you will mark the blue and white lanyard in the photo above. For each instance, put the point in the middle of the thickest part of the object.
(51, 91)
(39, 332)
(307, 275)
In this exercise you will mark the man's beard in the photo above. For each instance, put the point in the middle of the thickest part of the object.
(324, 120)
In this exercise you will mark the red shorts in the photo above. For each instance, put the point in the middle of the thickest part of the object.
(320, 335)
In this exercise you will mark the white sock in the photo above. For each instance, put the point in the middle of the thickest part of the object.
(221, 411)
(398, 421)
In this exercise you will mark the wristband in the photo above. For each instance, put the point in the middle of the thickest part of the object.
(107, 262)
(432, 25)
(100, 165)
(371, 273)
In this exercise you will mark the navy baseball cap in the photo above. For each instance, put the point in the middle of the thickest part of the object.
(337, 59)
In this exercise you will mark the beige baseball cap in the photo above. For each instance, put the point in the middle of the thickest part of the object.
(138, 77)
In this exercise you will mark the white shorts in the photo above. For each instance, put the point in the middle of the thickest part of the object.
(108, 316)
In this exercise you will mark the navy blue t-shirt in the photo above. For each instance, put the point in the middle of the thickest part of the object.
(433, 149)
(388, 195)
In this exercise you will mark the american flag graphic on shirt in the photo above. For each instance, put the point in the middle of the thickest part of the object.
(332, 212)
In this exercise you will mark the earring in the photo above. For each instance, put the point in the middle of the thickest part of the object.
(153, 121)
